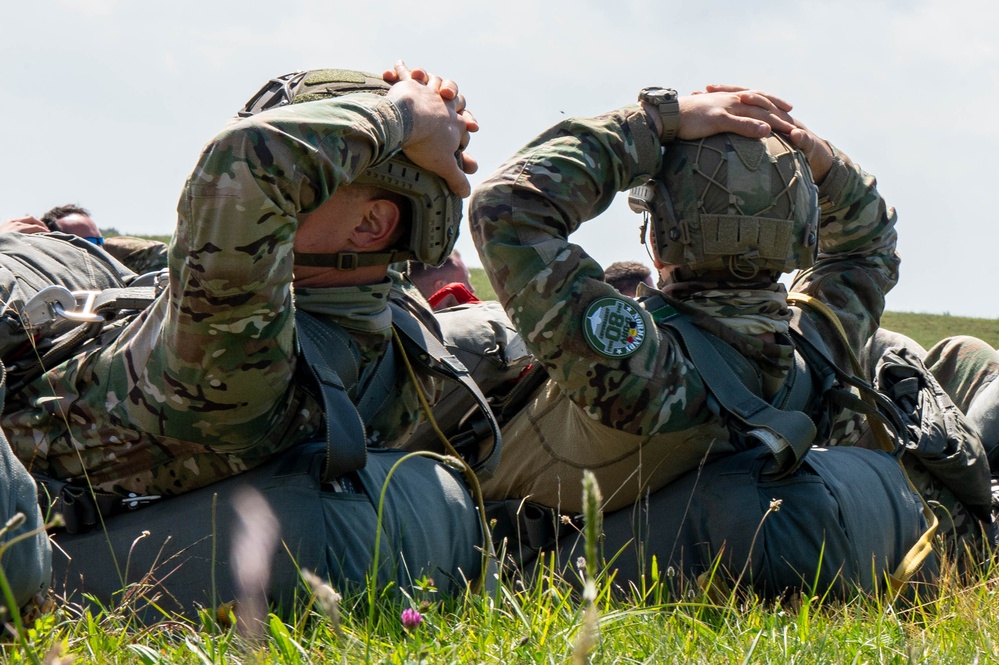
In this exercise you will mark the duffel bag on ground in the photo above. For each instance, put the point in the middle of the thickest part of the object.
(186, 560)
(841, 523)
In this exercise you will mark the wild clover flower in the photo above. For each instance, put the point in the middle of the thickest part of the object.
(411, 618)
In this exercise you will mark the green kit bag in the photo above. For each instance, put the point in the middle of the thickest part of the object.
(180, 552)
(840, 523)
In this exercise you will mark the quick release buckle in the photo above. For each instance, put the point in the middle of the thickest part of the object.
(58, 302)
(133, 500)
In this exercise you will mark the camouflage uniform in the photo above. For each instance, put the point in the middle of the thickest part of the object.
(966, 424)
(637, 422)
(966, 368)
(139, 254)
(201, 385)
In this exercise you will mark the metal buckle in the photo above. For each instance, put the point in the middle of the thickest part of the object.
(133, 500)
(55, 302)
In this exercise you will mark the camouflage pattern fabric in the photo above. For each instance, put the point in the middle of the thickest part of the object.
(642, 417)
(965, 368)
(200, 386)
(139, 254)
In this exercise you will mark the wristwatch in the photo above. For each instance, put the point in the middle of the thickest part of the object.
(666, 100)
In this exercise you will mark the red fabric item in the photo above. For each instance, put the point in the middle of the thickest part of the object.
(458, 291)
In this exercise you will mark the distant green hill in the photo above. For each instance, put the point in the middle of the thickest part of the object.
(111, 232)
(927, 329)
(483, 289)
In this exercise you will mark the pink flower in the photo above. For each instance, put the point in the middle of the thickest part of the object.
(411, 618)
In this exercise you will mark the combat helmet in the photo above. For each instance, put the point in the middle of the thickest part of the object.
(731, 203)
(436, 210)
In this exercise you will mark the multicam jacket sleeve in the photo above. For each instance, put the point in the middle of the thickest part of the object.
(523, 215)
(216, 362)
(857, 263)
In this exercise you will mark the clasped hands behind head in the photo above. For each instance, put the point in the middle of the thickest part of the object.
(441, 124)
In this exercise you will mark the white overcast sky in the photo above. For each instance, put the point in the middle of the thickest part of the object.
(107, 102)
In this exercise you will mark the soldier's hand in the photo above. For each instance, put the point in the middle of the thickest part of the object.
(779, 102)
(26, 224)
(448, 92)
(732, 109)
(441, 124)
(817, 150)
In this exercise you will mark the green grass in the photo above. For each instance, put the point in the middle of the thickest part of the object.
(928, 329)
(542, 622)
(483, 289)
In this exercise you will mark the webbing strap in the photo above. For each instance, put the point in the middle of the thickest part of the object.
(80, 506)
(788, 434)
(328, 353)
(878, 429)
(917, 554)
(379, 387)
(346, 443)
(421, 345)
(129, 297)
(352, 260)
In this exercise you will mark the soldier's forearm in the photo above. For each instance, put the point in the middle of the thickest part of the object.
(522, 216)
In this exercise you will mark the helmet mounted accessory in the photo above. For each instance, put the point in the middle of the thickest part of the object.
(435, 209)
(731, 203)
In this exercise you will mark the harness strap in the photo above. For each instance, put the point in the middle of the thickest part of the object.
(130, 297)
(82, 507)
(421, 345)
(917, 554)
(878, 429)
(379, 387)
(346, 444)
(788, 434)
(91, 308)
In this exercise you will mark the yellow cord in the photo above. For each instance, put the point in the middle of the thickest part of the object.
(915, 557)
(467, 471)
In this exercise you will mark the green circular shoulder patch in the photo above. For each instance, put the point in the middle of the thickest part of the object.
(614, 327)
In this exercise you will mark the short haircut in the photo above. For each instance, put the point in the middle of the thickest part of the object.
(51, 218)
(625, 276)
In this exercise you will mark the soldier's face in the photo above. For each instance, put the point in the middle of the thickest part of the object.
(79, 225)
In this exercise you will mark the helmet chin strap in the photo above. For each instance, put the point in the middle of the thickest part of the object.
(352, 260)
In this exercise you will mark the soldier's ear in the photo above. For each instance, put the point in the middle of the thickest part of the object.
(378, 226)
